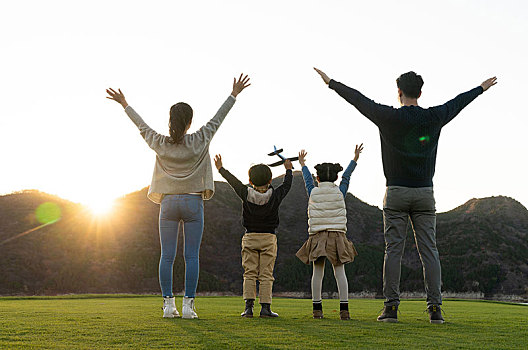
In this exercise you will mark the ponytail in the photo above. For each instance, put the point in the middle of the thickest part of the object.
(180, 116)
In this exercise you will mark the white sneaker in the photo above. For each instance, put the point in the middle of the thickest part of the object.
(169, 308)
(188, 310)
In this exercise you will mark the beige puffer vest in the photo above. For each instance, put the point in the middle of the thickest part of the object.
(326, 209)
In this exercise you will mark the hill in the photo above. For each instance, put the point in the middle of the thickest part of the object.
(483, 247)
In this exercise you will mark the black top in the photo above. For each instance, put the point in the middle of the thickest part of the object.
(260, 218)
(409, 135)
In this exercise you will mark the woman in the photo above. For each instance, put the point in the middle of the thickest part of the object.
(182, 179)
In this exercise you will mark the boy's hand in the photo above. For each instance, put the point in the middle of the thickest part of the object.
(357, 152)
(119, 97)
(288, 164)
(240, 85)
(302, 157)
(489, 83)
(218, 161)
(325, 77)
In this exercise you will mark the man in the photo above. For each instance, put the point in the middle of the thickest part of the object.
(409, 139)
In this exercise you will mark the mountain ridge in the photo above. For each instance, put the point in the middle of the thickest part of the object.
(482, 246)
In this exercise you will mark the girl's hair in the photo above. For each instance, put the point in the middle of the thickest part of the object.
(327, 172)
(180, 116)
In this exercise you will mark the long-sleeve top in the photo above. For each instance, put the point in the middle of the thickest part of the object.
(409, 135)
(185, 167)
(260, 211)
(345, 178)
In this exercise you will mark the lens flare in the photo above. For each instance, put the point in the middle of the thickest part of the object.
(48, 213)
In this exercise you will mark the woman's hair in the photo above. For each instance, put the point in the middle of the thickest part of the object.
(327, 172)
(180, 116)
(259, 174)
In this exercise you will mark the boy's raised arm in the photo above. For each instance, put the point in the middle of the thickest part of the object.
(240, 189)
(284, 188)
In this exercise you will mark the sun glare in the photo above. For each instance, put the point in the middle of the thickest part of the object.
(100, 207)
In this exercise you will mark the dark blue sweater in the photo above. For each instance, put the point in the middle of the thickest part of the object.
(409, 135)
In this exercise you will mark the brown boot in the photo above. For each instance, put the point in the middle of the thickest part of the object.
(318, 314)
(344, 315)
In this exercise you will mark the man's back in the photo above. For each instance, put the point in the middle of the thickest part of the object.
(409, 135)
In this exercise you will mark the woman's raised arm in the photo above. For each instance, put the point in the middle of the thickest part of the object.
(153, 139)
(206, 132)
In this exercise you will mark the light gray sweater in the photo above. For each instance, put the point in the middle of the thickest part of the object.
(186, 167)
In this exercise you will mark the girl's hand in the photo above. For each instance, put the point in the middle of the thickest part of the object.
(240, 85)
(119, 97)
(218, 161)
(302, 157)
(358, 151)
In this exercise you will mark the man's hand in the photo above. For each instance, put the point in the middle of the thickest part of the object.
(119, 97)
(357, 152)
(240, 85)
(489, 83)
(302, 157)
(218, 161)
(325, 77)
(288, 164)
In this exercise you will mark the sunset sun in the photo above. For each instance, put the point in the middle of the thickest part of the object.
(100, 206)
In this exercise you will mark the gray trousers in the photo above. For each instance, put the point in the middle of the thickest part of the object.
(418, 204)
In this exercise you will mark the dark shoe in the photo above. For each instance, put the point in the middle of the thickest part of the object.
(248, 312)
(435, 314)
(390, 314)
(318, 314)
(265, 311)
(344, 314)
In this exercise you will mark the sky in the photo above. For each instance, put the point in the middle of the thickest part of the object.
(62, 136)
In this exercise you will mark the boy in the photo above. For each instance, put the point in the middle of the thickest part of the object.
(260, 212)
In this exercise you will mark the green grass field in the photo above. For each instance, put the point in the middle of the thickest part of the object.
(135, 322)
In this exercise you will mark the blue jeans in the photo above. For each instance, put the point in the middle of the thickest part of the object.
(180, 211)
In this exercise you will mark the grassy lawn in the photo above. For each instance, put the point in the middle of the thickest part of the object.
(135, 322)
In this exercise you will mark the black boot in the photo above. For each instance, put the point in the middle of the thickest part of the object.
(248, 312)
(265, 311)
(390, 314)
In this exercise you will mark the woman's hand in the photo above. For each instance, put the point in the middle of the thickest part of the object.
(218, 161)
(325, 77)
(119, 97)
(240, 85)
(358, 151)
(302, 157)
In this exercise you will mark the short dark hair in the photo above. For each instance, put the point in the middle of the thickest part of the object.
(327, 172)
(410, 84)
(259, 174)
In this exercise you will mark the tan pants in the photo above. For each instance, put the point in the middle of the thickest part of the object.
(259, 251)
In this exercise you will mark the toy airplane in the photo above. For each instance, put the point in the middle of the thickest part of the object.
(277, 152)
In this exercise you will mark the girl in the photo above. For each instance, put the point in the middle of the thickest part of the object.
(182, 179)
(327, 229)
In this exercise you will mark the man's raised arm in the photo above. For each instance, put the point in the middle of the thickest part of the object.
(450, 109)
(376, 112)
